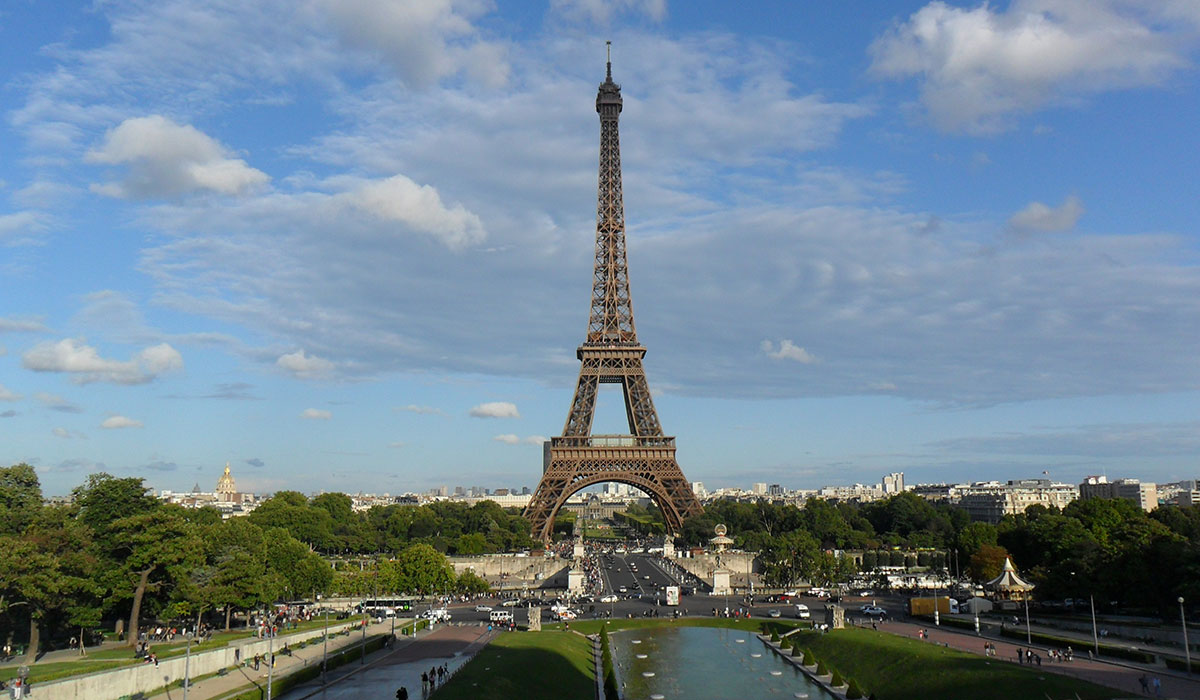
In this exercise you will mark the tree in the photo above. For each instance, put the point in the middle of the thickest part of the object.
(420, 569)
(28, 578)
(104, 499)
(20, 497)
(152, 548)
(236, 554)
(469, 583)
(291, 511)
(987, 562)
(292, 568)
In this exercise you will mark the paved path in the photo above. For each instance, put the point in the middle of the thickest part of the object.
(242, 676)
(402, 666)
(1121, 677)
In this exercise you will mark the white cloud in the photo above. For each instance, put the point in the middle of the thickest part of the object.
(420, 410)
(67, 434)
(85, 363)
(22, 227)
(787, 351)
(979, 67)
(396, 445)
(14, 325)
(316, 414)
(117, 422)
(305, 366)
(423, 40)
(507, 439)
(166, 159)
(6, 395)
(54, 402)
(535, 439)
(1040, 217)
(495, 409)
(603, 11)
(400, 200)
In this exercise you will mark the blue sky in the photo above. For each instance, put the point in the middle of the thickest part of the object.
(346, 245)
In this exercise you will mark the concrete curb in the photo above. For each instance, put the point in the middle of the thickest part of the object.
(822, 681)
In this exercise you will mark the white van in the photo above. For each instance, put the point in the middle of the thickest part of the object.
(503, 617)
(802, 611)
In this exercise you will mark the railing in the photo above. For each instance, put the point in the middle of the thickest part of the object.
(612, 441)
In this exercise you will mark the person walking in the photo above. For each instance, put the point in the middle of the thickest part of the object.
(1145, 682)
(402, 693)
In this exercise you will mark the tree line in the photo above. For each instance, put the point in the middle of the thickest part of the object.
(1107, 548)
(117, 556)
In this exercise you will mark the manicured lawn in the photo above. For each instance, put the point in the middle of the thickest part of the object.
(528, 665)
(897, 668)
(62, 669)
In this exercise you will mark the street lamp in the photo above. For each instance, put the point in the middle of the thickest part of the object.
(1187, 651)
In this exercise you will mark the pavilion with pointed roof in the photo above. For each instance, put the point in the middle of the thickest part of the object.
(1008, 585)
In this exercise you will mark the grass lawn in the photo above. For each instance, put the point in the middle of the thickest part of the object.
(896, 668)
(547, 665)
(62, 669)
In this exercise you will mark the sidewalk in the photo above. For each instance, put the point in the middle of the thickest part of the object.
(1123, 677)
(244, 675)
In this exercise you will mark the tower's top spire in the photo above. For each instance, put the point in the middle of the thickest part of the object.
(608, 99)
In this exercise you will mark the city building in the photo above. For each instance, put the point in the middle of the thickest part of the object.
(225, 498)
(759, 488)
(1145, 495)
(990, 501)
(892, 483)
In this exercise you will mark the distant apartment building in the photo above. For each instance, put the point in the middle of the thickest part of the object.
(1145, 495)
(990, 501)
(698, 489)
(892, 483)
(760, 488)
(858, 492)
(939, 492)
(775, 490)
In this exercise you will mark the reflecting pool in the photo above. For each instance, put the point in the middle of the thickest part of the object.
(665, 663)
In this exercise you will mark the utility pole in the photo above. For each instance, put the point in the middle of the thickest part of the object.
(1187, 651)
(1095, 636)
(270, 654)
(187, 664)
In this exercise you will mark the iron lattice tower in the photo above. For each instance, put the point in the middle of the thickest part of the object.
(645, 458)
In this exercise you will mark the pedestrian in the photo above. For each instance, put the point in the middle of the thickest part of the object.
(402, 693)
(1020, 655)
(257, 660)
(1157, 687)
(1145, 682)
(424, 680)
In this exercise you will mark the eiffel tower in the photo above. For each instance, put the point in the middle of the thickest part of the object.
(645, 458)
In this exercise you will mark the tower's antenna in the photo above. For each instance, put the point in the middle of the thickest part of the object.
(608, 58)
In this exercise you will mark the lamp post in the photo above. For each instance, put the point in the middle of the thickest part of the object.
(187, 663)
(325, 646)
(1095, 636)
(1028, 633)
(270, 653)
(937, 618)
(1187, 651)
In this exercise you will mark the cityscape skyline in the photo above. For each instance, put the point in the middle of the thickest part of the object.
(348, 246)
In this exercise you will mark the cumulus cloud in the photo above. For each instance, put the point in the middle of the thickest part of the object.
(979, 67)
(535, 439)
(66, 434)
(316, 414)
(117, 422)
(7, 395)
(419, 207)
(396, 445)
(507, 438)
(166, 159)
(305, 366)
(423, 40)
(510, 439)
(54, 402)
(1038, 217)
(86, 365)
(495, 409)
(787, 350)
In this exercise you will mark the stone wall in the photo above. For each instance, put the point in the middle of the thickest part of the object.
(500, 567)
(742, 566)
(145, 678)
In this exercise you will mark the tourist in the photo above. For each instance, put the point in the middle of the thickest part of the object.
(402, 694)
(1020, 655)
(1145, 682)
(1157, 687)
(424, 680)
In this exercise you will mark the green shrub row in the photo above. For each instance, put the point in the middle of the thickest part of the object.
(1105, 650)
(853, 692)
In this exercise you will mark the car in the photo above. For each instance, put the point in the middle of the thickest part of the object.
(511, 603)
(610, 598)
(623, 589)
(802, 612)
(866, 593)
(773, 613)
(646, 577)
(873, 611)
(483, 608)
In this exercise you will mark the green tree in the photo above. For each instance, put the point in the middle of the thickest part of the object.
(421, 569)
(20, 497)
(104, 499)
(293, 570)
(152, 549)
(29, 579)
(987, 562)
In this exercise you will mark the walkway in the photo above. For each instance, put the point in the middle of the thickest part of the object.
(1119, 676)
(402, 666)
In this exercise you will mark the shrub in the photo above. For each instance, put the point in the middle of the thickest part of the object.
(808, 657)
(836, 680)
(796, 650)
(853, 693)
(775, 637)
(821, 670)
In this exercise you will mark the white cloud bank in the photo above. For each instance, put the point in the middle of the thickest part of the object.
(979, 67)
(86, 365)
(305, 366)
(118, 422)
(511, 439)
(166, 159)
(496, 409)
(316, 414)
(7, 395)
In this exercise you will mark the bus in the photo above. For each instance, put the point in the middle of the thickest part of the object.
(385, 607)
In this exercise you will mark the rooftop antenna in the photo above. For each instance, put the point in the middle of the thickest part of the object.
(608, 54)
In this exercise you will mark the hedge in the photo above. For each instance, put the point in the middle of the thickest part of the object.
(1105, 650)
(610, 674)
(852, 692)
(286, 683)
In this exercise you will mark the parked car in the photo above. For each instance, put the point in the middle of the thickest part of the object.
(610, 598)
(802, 612)
(773, 613)
(483, 608)
(511, 603)
(873, 611)
(866, 593)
